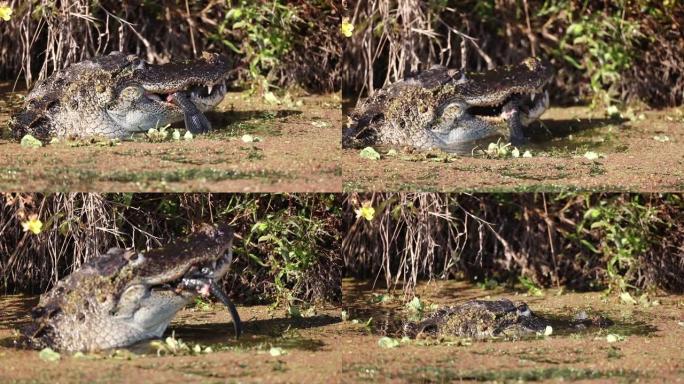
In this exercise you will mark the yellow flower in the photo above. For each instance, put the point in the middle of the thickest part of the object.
(33, 224)
(366, 211)
(347, 27)
(5, 12)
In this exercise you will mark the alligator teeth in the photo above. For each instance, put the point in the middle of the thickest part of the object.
(209, 87)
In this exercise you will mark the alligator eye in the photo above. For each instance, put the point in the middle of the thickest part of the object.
(452, 110)
(524, 310)
(132, 92)
(139, 64)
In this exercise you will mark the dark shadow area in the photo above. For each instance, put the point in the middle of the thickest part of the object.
(565, 325)
(263, 327)
(231, 117)
(256, 332)
(254, 121)
(548, 129)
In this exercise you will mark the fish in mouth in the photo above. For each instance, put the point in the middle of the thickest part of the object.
(195, 121)
(442, 107)
(117, 95)
(124, 296)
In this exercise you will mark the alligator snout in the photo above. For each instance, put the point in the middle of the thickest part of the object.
(117, 95)
(116, 300)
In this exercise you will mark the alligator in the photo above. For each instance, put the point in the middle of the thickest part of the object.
(441, 108)
(123, 296)
(116, 95)
(485, 319)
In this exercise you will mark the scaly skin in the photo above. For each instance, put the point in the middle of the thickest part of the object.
(479, 319)
(123, 296)
(117, 95)
(440, 108)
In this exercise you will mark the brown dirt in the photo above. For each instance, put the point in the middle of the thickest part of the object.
(299, 152)
(322, 348)
(650, 352)
(633, 160)
(310, 346)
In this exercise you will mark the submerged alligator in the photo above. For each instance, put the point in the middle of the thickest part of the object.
(484, 319)
(442, 107)
(116, 95)
(123, 297)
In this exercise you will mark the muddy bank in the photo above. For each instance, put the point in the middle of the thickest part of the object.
(297, 149)
(274, 348)
(645, 154)
(335, 345)
(647, 349)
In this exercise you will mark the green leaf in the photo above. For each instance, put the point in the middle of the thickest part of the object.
(247, 138)
(415, 305)
(369, 153)
(29, 141)
(388, 342)
(589, 245)
(592, 213)
(271, 98)
(47, 354)
(612, 338)
(277, 351)
(591, 155)
(294, 311)
(626, 298)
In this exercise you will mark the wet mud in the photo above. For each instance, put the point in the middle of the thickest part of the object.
(345, 344)
(575, 149)
(296, 149)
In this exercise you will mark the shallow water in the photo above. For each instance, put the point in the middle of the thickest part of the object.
(297, 150)
(646, 349)
(574, 148)
(324, 348)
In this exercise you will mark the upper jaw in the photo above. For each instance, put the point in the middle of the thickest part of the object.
(204, 79)
(174, 76)
(208, 247)
(499, 98)
(532, 104)
(204, 96)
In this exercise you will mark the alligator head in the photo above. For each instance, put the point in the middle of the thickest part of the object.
(124, 296)
(117, 94)
(440, 107)
(479, 319)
